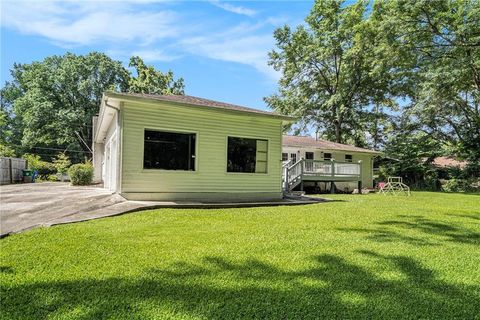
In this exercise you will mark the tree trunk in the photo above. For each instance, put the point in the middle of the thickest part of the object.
(338, 132)
(375, 124)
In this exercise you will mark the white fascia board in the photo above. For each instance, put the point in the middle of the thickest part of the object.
(108, 108)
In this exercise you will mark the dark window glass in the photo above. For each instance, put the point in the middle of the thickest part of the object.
(309, 155)
(348, 158)
(169, 150)
(327, 156)
(284, 156)
(247, 155)
(293, 156)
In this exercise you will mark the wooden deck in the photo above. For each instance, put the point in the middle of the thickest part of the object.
(322, 171)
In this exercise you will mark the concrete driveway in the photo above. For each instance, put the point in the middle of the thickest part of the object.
(24, 206)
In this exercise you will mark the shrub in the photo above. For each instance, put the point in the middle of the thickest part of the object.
(49, 177)
(44, 168)
(81, 173)
(6, 151)
(61, 163)
(461, 185)
(454, 185)
(33, 160)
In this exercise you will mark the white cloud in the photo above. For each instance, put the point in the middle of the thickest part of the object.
(235, 46)
(233, 8)
(138, 27)
(83, 23)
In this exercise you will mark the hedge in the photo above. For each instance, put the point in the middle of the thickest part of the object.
(81, 173)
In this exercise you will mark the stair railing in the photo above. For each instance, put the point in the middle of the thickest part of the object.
(294, 172)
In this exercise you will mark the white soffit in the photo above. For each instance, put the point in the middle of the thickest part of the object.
(108, 109)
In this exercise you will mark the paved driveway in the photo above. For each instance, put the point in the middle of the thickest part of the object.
(24, 206)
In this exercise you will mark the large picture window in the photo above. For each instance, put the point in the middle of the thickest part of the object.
(247, 155)
(169, 150)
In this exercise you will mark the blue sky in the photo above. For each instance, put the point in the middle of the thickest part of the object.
(219, 47)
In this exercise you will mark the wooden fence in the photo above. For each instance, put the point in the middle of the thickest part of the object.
(11, 170)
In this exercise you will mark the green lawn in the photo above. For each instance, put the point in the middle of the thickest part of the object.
(360, 257)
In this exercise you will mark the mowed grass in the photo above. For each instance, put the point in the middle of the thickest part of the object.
(360, 257)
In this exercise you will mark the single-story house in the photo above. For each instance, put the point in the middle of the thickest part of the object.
(326, 165)
(175, 147)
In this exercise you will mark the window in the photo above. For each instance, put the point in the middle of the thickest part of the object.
(309, 155)
(284, 156)
(348, 158)
(327, 156)
(293, 157)
(247, 155)
(169, 150)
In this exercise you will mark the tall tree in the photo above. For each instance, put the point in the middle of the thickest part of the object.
(51, 103)
(327, 71)
(11, 126)
(61, 94)
(152, 81)
(437, 48)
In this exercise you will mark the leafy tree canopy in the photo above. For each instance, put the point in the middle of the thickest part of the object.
(352, 69)
(51, 103)
(437, 45)
(152, 81)
(327, 71)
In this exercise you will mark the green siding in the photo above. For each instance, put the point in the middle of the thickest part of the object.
(212, 128)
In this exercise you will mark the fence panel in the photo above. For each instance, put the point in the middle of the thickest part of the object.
(11, 170)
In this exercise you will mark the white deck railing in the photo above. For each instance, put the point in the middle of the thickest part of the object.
(331, 170)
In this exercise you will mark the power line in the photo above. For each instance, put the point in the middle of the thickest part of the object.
(45, 148)
(53, 149)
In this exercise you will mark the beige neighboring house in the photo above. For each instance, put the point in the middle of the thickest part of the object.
(310, 162)
(449, 162)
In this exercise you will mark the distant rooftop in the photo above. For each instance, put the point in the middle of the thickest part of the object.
(196, 101)
(322, 144)
(447, 162)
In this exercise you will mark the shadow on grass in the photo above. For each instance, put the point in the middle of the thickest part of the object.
(381, 234)
(218, 289)
(472, 216)
(6, 269)
(427, 232)
(449, 231)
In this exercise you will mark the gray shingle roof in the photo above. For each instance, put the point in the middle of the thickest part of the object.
(322, 144)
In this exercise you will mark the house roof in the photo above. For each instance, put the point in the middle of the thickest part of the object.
(447, 162)
(196, 101)
(302, 141)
